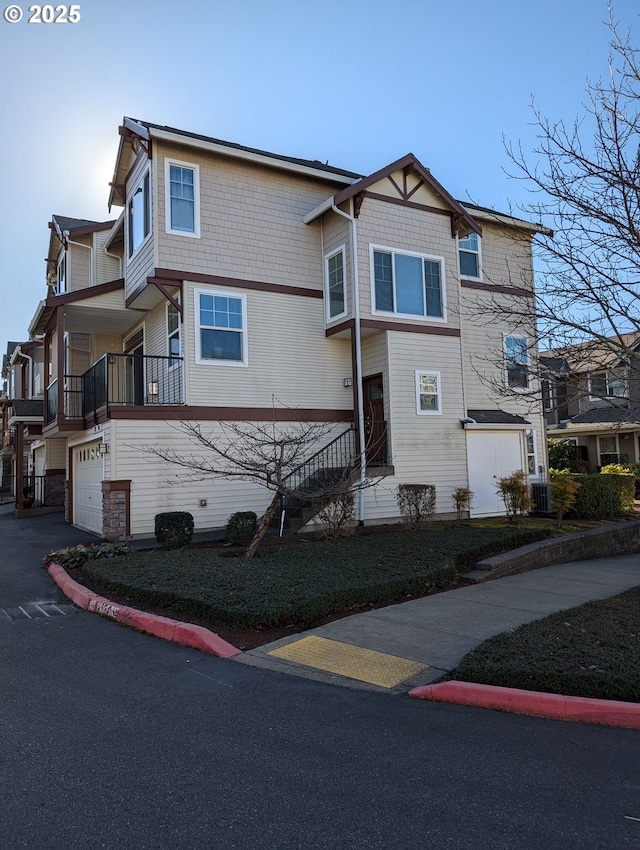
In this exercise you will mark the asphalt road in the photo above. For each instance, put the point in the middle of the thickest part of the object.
(115, 739)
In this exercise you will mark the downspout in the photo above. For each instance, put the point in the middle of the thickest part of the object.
(114, 257)
(356, 320)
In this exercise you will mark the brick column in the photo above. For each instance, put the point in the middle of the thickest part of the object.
(54, 488)
(116, 510)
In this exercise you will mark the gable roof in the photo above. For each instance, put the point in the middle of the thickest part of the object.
(410, 164)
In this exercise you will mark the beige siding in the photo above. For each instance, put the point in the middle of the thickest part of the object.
(251, 222)
(56, 454)
(79, 265)
(156, 486)
(424, 195)
(406, 229)
(107, 268)
(290, 359)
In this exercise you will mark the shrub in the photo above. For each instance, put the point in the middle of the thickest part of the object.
(75, 556)
(338, 516)
(241, 527)
(604, 496)
(462, 498)
(417, 503)
(174, 529)
(563, 493)
(514, 490)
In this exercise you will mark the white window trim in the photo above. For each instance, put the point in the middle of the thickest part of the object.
(551, 401)
(432, 374)
(341, 250)
(172, 366)
(196, 196)
(443, 284)
(607, 373)
(526, 389)
(62, 260)
(197, 292)
(479, 252)
(607, 437)
(534, 436)
(139, 183)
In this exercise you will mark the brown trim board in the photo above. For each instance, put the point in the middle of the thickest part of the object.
(218, 280)
(491, 287)
(82, 294)
(232, 414)
(383, 325)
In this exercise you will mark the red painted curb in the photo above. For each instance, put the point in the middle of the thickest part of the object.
(582, 709)
(185, 634)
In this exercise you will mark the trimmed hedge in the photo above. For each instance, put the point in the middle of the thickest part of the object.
(174, 529)
(603, 496)
(302, 582)
(592, 651)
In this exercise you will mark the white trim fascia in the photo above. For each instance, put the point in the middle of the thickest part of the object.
(585, 428)
(259, 159)
(192, 166)
(36, 318)
(135, 127)
(318, 211)
(510, 221)
(25, 420)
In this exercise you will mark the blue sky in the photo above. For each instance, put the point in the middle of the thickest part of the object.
(357, 83)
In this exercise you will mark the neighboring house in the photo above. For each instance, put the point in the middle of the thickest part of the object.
(241, 285)
(591, 397)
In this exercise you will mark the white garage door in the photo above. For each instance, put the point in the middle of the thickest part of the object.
(491, 455)
(88, 472)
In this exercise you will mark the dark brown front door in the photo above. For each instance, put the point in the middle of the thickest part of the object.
(375, 427)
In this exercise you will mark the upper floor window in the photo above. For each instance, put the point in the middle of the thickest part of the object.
(139, 215)
(428, 397)
(36, 379)
(516, 362)
(532, 465)
(61, 287)
(335, 282)
(408, 284)
(173, 335)
(221, 331)
(612, 384)
(469, 254)
(182, 200)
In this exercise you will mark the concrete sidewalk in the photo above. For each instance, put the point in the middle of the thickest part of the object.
(401, 647)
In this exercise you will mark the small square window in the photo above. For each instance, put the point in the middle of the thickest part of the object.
(221, 331)
(469, 255)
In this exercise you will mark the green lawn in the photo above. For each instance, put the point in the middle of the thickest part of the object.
(301, 582)
(593, 651)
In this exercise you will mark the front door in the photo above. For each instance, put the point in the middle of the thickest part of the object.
(375, 428)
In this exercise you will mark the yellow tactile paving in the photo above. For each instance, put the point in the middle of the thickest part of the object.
(365, 665)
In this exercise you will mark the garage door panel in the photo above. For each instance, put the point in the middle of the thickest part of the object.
(491, 455)
(88, 473)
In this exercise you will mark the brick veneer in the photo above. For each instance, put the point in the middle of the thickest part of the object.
(116, 510)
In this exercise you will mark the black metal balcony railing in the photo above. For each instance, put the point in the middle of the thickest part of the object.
(118, 380)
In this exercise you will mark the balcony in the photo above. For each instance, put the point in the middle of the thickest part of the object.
(116, 380)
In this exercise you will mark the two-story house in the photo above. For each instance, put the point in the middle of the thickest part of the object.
(591, 396)
(242, 285)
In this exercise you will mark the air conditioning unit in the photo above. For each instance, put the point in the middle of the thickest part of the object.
(541, 498)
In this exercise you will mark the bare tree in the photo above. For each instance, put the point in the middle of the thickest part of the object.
(282, 457)
(585, 179)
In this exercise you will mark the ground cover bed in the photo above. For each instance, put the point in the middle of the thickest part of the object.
(290, 587)
(592, 650)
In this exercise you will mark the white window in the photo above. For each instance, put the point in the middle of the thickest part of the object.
(221, 332)
(611, 384)
(173, 336)
(549, 394)
(516, 362)
(61, 287)
(407, 284)
(36, 381)
(139, 215)
(469, 256)
(428, 398)
(335, 284)
(532, 463)
(182, 198)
